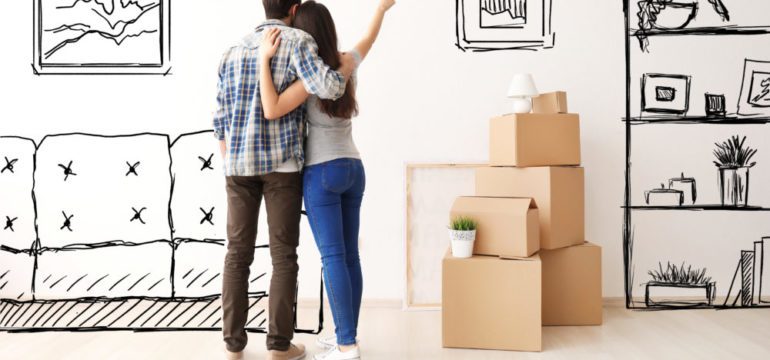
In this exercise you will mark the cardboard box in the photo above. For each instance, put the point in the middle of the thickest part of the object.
(550, 103)
(572, 285)
(505, 226)
(558, 193)
(534, 140)
(492, 303)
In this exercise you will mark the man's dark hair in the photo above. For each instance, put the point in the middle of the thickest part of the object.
(278, 9)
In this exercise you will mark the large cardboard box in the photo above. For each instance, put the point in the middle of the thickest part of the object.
(572, 285)
(534, 140)
(558, 193)
(491, 303)
(505, 226)
(550, 103)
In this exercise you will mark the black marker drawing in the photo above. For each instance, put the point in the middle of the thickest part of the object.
(693, 288)
(9, 223)
(208, 216)
(101, 37)
(138, 215)
(67, 170)
(733, 159)
(656, 17)
(490, 25)
(755, 89)
(658, 98)
(104, 273)
(666, 94)
(687, 185)
(206, 162)
(8, 165)
(67, 221)
(132, 168)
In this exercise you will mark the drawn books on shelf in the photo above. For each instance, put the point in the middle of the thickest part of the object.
(101, 37)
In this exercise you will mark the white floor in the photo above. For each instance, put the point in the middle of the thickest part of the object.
(389, 333)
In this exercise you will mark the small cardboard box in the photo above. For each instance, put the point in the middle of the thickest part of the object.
(558, 193)
(505, 226)
(550, 103)
(572, 285)
(492, 303)
(534, 140)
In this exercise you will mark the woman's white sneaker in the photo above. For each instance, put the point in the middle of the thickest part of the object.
(326, 343)
(336, 354)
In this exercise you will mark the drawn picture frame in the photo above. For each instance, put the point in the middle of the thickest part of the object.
(755, 89)
(76, 37)
(666, 94)
(529, 27)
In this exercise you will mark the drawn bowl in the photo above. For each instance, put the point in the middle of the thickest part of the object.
(675, 16)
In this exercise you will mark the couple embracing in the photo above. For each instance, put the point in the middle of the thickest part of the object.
(286, 79)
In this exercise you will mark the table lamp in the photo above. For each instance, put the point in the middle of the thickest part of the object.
(522, 90)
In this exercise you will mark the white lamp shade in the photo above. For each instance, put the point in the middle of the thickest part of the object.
(522, 85)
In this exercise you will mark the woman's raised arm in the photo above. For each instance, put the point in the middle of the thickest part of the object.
(373, 31)
(274, 106)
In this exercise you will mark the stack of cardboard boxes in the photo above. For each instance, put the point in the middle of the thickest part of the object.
(531, 266)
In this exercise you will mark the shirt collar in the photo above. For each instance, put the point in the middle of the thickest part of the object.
(253, 39)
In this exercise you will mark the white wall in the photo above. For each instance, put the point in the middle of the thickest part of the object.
(421, 100)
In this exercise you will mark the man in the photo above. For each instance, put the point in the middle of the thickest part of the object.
(263, 158)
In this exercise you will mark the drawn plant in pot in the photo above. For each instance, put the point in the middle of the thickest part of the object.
(733, 159)
(671, 15)
(462, 233)
(692, 286)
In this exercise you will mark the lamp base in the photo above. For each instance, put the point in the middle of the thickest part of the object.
(522, 106)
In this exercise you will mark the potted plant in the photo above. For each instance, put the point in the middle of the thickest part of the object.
(733, 159)
(691, 287)
(671, 15)
(462, 233)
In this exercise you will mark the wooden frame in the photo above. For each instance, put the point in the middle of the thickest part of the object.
(409, 304)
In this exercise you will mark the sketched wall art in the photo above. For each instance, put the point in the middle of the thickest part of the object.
(101, 37)
(129, 237)
(489, 25)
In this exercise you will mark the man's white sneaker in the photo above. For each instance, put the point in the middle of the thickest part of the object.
(326, 343)
(336, 354)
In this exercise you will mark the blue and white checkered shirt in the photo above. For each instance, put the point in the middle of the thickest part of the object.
(256, 146)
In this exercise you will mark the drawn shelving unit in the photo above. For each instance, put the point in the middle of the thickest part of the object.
(679, 55)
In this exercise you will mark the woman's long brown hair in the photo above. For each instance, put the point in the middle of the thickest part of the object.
(315, 19)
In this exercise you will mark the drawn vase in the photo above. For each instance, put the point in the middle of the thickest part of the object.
(734, 186)
(462, 242)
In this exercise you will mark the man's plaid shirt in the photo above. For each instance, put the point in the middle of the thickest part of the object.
(255, 145)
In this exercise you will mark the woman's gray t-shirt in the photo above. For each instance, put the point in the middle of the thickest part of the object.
(329, 138)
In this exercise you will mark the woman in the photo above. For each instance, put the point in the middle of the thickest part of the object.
(334, 177)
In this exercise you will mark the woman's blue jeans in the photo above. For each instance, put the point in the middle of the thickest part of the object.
(333, 192)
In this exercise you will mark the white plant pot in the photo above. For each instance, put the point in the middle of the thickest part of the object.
(462, 243)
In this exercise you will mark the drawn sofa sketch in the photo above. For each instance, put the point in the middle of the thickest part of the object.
(490, 25)
(101, 37)
(129, 237)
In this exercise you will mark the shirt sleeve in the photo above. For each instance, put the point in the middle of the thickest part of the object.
(317, 77)
(222, 114)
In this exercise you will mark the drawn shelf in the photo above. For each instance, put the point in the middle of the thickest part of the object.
(697, 208)
(708, 30)
(691, 120)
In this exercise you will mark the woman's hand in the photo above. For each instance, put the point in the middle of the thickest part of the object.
(270, 43)
(385, 5)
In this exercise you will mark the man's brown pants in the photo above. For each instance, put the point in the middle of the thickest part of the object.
(283, 198)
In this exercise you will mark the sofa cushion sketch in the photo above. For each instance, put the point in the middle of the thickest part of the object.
(126, 238)
(489, 25)
(101, 36)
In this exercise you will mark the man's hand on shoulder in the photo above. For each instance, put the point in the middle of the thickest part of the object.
(347, 64)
